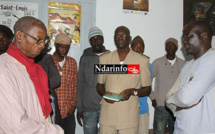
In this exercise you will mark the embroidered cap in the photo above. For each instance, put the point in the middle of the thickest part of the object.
(94, 31)
(63, 39)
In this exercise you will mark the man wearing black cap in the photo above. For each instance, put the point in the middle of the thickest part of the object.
(6, 36)
(165, 70)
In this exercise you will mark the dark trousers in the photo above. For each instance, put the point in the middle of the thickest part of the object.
(68, 124)
(162, 117)
(57, 110)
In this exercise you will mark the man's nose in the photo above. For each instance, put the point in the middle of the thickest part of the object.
(1, 39)
(95, 42)
(64, 50)
(183, 41)
(42, 45)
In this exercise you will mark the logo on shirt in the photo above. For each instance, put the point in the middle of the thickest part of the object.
(117, 69)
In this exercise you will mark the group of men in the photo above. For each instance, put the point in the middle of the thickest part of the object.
(183, 91)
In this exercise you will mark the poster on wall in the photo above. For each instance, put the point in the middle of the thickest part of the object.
(64, 18)
(200, 10)
(136, 6)
(10, 12)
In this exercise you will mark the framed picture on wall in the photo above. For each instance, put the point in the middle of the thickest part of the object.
(200, 10)
(138, 5)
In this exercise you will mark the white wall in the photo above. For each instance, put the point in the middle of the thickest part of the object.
(164, 20)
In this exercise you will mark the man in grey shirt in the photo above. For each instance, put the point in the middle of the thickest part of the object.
(88, 100)
(165, 70)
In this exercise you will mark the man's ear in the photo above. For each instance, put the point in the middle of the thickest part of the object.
(204, 35)
(130, 38)
(18, 36)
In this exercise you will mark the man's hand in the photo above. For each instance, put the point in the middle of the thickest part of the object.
(154, 103)
(127, 93)
(108, 100)
(80, 118)
(71, 111)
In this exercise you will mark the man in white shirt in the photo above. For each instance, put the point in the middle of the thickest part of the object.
(24, 91)
(192, 96)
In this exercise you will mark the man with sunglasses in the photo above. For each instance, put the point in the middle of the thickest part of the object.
(24, 91)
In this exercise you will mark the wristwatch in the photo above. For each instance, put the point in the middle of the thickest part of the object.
(135, 92)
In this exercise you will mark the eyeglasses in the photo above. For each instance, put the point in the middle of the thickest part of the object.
(39, 41)
(120, 35)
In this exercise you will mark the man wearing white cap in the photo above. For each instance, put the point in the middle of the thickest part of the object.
(165, 70)
(66, 93)
(88, 100)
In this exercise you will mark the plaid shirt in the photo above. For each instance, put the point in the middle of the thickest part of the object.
(66, 93)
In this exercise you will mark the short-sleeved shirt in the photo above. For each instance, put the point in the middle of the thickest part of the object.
(123, 114)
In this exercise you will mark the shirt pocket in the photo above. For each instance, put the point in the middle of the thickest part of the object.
(131, 80)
